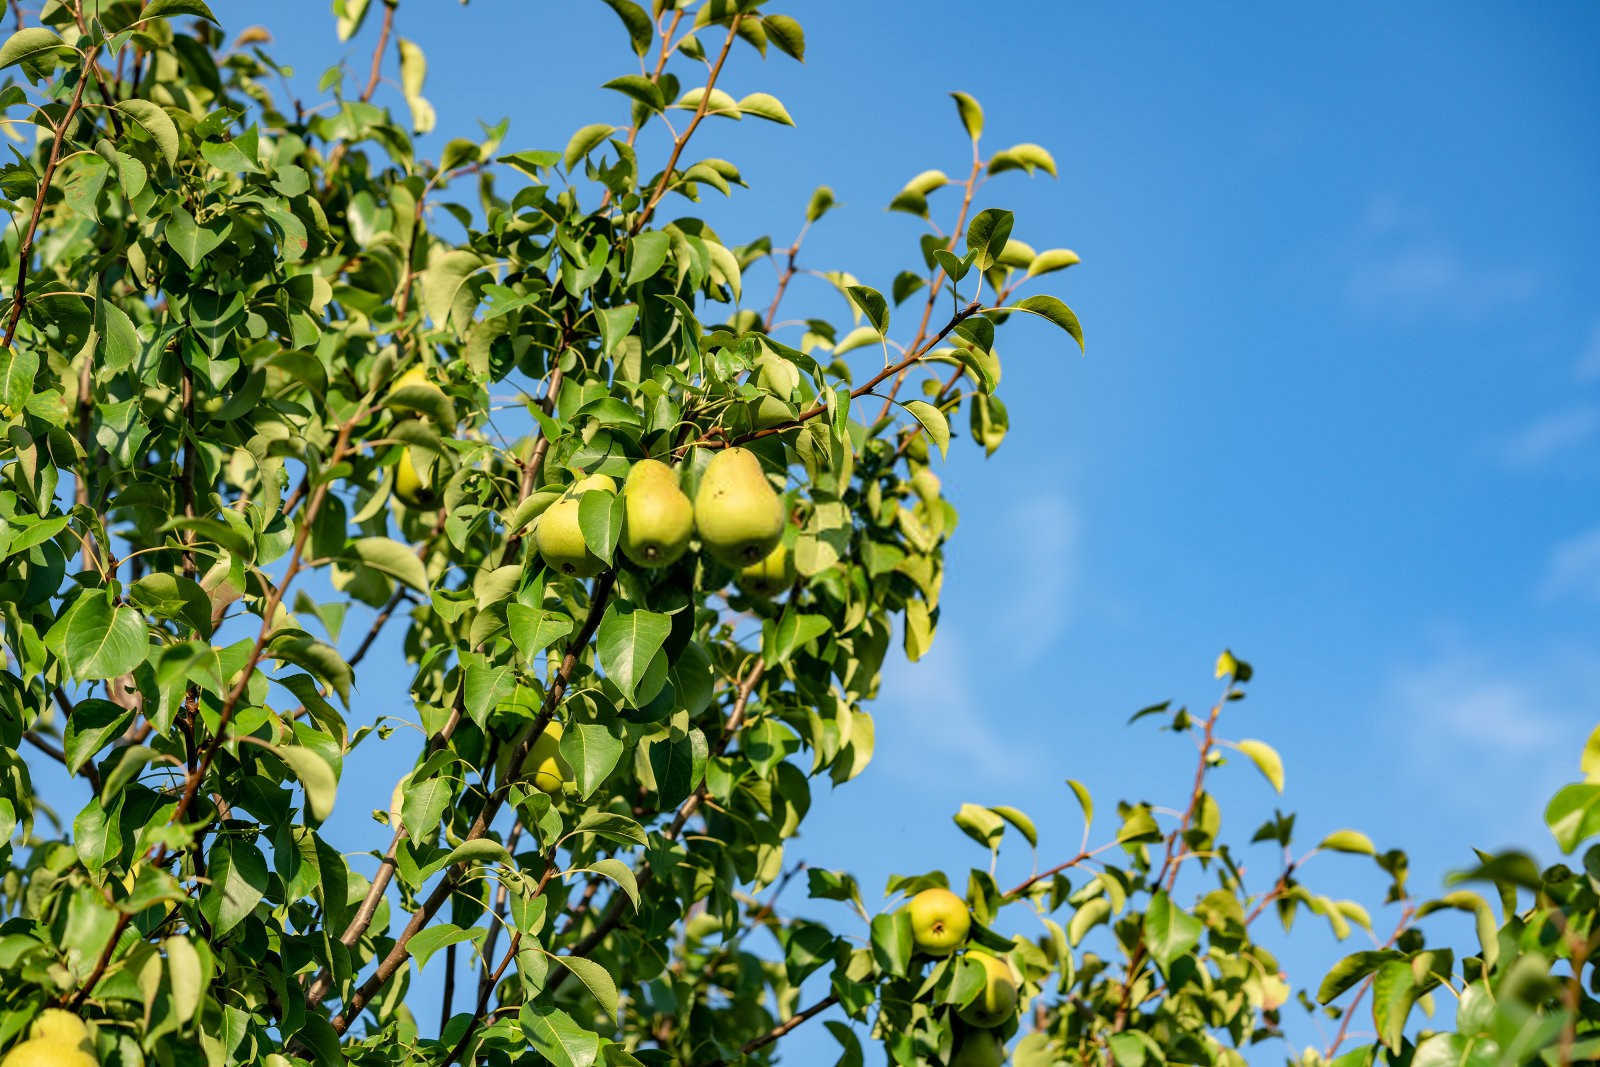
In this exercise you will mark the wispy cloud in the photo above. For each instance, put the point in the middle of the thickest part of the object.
(1433, 277)
(1588, 369)
(1549, 436)
(1403, 266)
(938, 721)
(1042, 533)
(1574, 567)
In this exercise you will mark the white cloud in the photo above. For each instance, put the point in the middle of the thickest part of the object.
(1547, 436)
(1433, 277)
(1458, 699)
(937, 722)
(1589, 360)
(1574, 567)
(1041, 537)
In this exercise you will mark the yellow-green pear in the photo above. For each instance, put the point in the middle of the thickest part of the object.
(939, 921)
(414, 485)
(658, 518)
(771, 576)
(543, 765)
(49, 1052)
(57, 1024)
(979, 1048)
(738, 515)
(997, 1004)
(559, 537)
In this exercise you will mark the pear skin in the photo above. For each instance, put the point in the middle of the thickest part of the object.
(979, 1048)
(559, 537)
(410, 486)
(739, 517)
(48, 1052)
(771, 576)
(940, 921)
(659, 519)
(997, 1004)
(543, 765)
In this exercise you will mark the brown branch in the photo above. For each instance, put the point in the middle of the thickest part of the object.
(485, 990)
(400, 953)
(793, 1021)
(682, 139)
(936, 285)
(789, 271)
(502, 900)
(377, 51)
(1355, 1002)
(916, 355)
(19, 296)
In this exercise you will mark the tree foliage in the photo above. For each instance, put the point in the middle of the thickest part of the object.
(253, 376)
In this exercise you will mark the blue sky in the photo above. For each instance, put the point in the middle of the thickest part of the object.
(1340, 409)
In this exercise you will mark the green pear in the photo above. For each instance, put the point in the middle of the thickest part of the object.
(544, 765)
(939, 921)
(659, 520)
(738, 515)
(979, 1048)
(414, 485)
(559, 537)
(49, 1052)
(771, 576)
(57, 1024)
(997, 1004)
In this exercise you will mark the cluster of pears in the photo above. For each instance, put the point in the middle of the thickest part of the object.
(940, 922)
(57, 1038)
(736, 514)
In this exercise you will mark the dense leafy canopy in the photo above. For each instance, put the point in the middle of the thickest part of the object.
(252, 377)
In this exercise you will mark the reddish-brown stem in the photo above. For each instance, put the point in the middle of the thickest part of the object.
(19, 296)
(789, 1024)
(1355, 1002)
(871, 383)
(939, 276)
(374, 73)
(789, 271)
(682, 139)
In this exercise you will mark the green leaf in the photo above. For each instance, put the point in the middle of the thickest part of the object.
(238, 876)
(1350, 970)
(593, 751)
(971, 114)
(316, 776)
(891, 941)
(933, 421)
(619, 873)
(555, 1036)
(533, 630)
(766, 106)
(872, 305)
(857, 338)
(1266, 759)
(442, 281)
(1089, 915)
(98, 641)
(649, 254)
(391, 558)
(610, 825)
(17, 370)
(413, 72)
(595, 978)
(433, 938)
(27, 44)
(585, 141)
(1349, 841)
(159, 125)
(1085, 801)
(92, 725)
(478, 851)
(1021, 821)
(191, 240)
(987, 235)
(600, 516)
(980, 824)
(821, 201)
(1169, 931)
(174, 8)
(185, 975)
(1052, 259)
(1394, 991)
(678, 766)
(786, 35)
(627, 641)
(1048, 307)
(636, 21)
(1574, 814)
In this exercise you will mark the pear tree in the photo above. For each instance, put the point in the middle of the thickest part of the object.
(281, 389)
